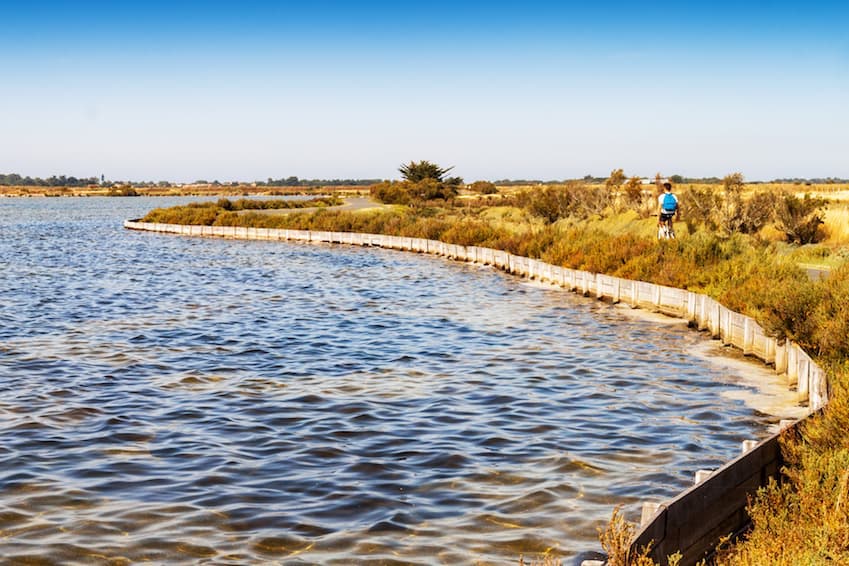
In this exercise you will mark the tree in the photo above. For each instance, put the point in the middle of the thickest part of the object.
(419, 171)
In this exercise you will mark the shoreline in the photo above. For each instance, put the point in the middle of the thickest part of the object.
(771, 396)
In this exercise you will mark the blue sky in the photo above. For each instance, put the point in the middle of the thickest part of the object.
(549, 90)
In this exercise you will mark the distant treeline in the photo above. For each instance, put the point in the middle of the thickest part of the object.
(295, 182)
(13, 179)
(61, 181)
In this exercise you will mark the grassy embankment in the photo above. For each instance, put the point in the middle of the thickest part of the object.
(733, 246)
(206, 214)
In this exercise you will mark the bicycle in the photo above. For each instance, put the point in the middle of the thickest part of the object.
(665, 231)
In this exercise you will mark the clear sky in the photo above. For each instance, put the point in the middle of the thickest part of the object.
(246, 90)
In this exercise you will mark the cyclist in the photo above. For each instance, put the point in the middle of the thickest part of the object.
(667, 205)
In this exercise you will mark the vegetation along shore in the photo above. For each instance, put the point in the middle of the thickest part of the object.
(746, 245)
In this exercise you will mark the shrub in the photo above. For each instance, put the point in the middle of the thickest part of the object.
(758, 211)
(484, 187)
(549, 203)
(832, 316)
(391, 193)
(589, 200)
(634, 193)
(700, 208)
(800, 219)
(413, 193)
(431, 189)
(469, 233)
(730, 211)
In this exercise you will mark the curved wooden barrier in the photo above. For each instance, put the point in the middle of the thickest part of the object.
(695, 520)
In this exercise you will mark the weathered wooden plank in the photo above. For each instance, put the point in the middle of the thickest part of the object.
(694, 521)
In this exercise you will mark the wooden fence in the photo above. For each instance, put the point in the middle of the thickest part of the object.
(695, 520)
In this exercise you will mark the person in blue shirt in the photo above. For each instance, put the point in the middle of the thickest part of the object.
(667, 207)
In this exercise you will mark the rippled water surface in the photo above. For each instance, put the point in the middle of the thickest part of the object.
(189, 400)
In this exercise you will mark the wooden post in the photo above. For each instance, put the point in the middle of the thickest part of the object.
(716, 320)
(650, 509)
(702, 475)
(725, 325)
(748, 335)
(781, 357)
(803, 383)
(819, 388)
(692, 315)
(792, 364)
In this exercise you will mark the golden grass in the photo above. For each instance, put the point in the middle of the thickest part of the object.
(837, 225)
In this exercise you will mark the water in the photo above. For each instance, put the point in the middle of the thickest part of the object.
(193, 401)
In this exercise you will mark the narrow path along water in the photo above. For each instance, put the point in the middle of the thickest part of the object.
(191, 400)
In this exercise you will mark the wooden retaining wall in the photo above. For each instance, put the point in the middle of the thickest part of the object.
(694, 521)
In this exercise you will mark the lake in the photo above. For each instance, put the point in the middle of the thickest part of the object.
(187, 400)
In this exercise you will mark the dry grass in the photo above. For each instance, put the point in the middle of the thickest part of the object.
(837, 225)
(616, 538)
